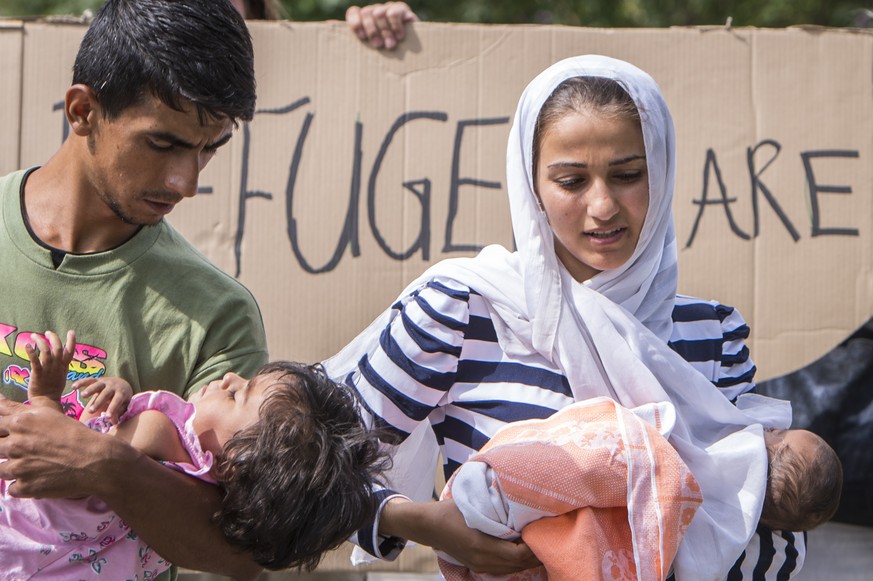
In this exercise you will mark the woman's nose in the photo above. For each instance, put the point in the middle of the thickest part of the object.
(601, 202)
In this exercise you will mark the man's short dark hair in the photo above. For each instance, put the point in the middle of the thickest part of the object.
(196, 51)
(300, 481)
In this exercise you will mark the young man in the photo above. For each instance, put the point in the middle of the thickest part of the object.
(158, 86)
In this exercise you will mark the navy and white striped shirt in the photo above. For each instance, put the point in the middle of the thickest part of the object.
(439, 359)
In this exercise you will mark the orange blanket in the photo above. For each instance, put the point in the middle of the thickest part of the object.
(595, 490)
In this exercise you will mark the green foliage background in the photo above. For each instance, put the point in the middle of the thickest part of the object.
(618, 13)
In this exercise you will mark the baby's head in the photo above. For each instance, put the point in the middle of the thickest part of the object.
(299, 481)
(804, 481)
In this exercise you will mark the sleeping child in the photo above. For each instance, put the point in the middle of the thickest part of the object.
(282, 447)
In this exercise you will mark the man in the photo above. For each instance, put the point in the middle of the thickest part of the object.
(158, 86)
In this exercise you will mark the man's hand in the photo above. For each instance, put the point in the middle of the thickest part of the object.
(51, 455)
(441, 525)
(380, 25)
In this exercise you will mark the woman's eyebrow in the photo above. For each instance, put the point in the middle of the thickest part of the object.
(578, 164)
(614, 162)
(627, 159)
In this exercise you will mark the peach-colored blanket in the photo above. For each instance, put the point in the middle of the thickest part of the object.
(596, 491)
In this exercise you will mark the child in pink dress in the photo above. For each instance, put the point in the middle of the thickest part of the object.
(281, 446)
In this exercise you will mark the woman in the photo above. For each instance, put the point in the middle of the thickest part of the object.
(586, 307)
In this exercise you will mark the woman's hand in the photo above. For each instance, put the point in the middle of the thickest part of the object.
(441, 525)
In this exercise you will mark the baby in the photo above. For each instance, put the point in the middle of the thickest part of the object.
(288, 449)
(803, 483)
(575, 487)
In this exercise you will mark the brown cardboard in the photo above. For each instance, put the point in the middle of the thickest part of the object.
(452, 90)
(449, 93)
(10, 100)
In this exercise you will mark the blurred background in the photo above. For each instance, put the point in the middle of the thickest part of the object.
(601, 13)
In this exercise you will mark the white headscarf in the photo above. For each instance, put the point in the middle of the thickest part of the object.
(609, 335)
(646, 284)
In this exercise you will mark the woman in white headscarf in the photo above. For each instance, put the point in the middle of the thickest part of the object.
(586, 307)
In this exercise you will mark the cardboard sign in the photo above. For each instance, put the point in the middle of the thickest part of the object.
(361, 167)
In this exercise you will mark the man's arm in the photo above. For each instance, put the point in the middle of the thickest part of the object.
(53, 456)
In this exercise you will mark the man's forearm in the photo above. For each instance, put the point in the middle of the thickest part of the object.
(50, 455)
(171, 512)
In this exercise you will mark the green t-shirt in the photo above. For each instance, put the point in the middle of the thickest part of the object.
(153, 311)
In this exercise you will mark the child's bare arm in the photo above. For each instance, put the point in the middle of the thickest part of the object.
(155, 435)
(49, 365)
(108, 395)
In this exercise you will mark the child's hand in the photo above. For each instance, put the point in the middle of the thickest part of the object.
(49, 365)
(110, 395)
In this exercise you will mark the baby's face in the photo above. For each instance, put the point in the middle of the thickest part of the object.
(801, 442)
(227, 405)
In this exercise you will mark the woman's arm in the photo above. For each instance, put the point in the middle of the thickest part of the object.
(410, 367)
(53, 456)
(769, 554)
(440, 525)
(407, 373)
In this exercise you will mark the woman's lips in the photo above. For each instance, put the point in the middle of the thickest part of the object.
(605, 236)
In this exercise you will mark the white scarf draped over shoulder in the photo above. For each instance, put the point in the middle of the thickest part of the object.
(609, 335)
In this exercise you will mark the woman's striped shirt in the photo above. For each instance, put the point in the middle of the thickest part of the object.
(439, 359)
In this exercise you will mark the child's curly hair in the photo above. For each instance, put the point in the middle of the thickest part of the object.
(300, 481)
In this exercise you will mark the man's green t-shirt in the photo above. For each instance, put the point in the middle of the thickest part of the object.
(153, 311)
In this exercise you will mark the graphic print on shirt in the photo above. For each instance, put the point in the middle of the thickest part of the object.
(88, 360)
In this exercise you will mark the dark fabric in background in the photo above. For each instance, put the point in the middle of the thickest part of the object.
(833, 397)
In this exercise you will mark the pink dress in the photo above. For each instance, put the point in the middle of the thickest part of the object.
(63, 539)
